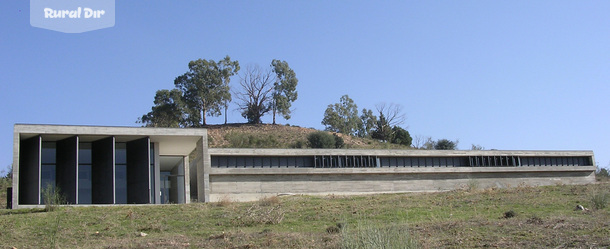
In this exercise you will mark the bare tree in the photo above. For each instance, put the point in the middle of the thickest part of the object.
(393, 113)
(255, 97)
(419, 141)
(477, 147)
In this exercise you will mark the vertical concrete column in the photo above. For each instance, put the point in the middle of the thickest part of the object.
(28, 172)
(138, 172)
(203, 169)
(157, 177)
(592, 175)
(187, 178)
(177, 192)
(16, 149)
(102, 171)
(66, 168)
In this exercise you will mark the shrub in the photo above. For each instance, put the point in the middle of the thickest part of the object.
(600, 199)
(269, 201)
(225, 201)
(472, 185)
(401, 136)
(299, 144)
(321, 139)
(602, 174)
(368, 236)
(52, 197)
(258, 215)
(445, 144)
(5, 183)
(339, 143)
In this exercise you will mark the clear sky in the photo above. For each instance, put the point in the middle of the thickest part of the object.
(512, 75)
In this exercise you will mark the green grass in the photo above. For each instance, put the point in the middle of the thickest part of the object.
(545, 217)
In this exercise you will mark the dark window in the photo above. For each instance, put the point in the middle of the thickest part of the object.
(120, 173)
(166, 186)
(84, 173)
(47, 168)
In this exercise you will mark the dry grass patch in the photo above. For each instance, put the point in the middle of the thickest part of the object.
(545, 218)
(278, 136)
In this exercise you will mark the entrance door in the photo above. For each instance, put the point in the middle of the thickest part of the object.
(172, 179)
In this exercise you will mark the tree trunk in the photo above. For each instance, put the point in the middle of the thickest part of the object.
(226, 106)
(203, 117)
(274, 106)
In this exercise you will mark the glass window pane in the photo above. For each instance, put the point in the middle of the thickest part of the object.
(84, 184)
(84, 153)
(152, 153)
(165, 187)
(47, 179)
(121, 184)
(48, 153)
(121, 153)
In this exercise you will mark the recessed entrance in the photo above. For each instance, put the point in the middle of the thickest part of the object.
(172, 179)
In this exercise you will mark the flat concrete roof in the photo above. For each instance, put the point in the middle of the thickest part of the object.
(172, 141)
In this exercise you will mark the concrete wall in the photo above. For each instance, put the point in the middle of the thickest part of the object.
(251, 184)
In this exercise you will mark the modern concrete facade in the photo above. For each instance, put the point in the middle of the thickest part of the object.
(249, 174)
(95, 165)
(126, 165)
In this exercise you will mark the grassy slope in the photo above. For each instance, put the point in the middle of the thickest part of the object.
(277, 136)
(545, 217)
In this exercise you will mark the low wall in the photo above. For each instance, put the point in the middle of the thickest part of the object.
(246, 184)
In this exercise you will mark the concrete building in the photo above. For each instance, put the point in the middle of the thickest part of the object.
(94, 165)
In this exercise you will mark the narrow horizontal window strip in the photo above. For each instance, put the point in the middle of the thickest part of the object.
(369, 161)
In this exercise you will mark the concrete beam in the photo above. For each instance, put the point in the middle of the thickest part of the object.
(358, 152)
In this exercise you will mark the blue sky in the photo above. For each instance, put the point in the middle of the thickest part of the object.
(508, 75)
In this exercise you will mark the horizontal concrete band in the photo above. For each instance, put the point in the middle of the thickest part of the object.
(367, 152)
(395, 170)
(106, 130)
(249, 187)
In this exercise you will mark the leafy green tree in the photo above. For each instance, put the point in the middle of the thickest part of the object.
(382, 131)
(167, 111)
(339, 143)
(206, 88)
(342, 117)
(321, 139)
(368, 121)
(401, 136)
(255, 97)
(284, 89)
(445, 144)
(389, 116)
(602, 173)
(9, 173)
